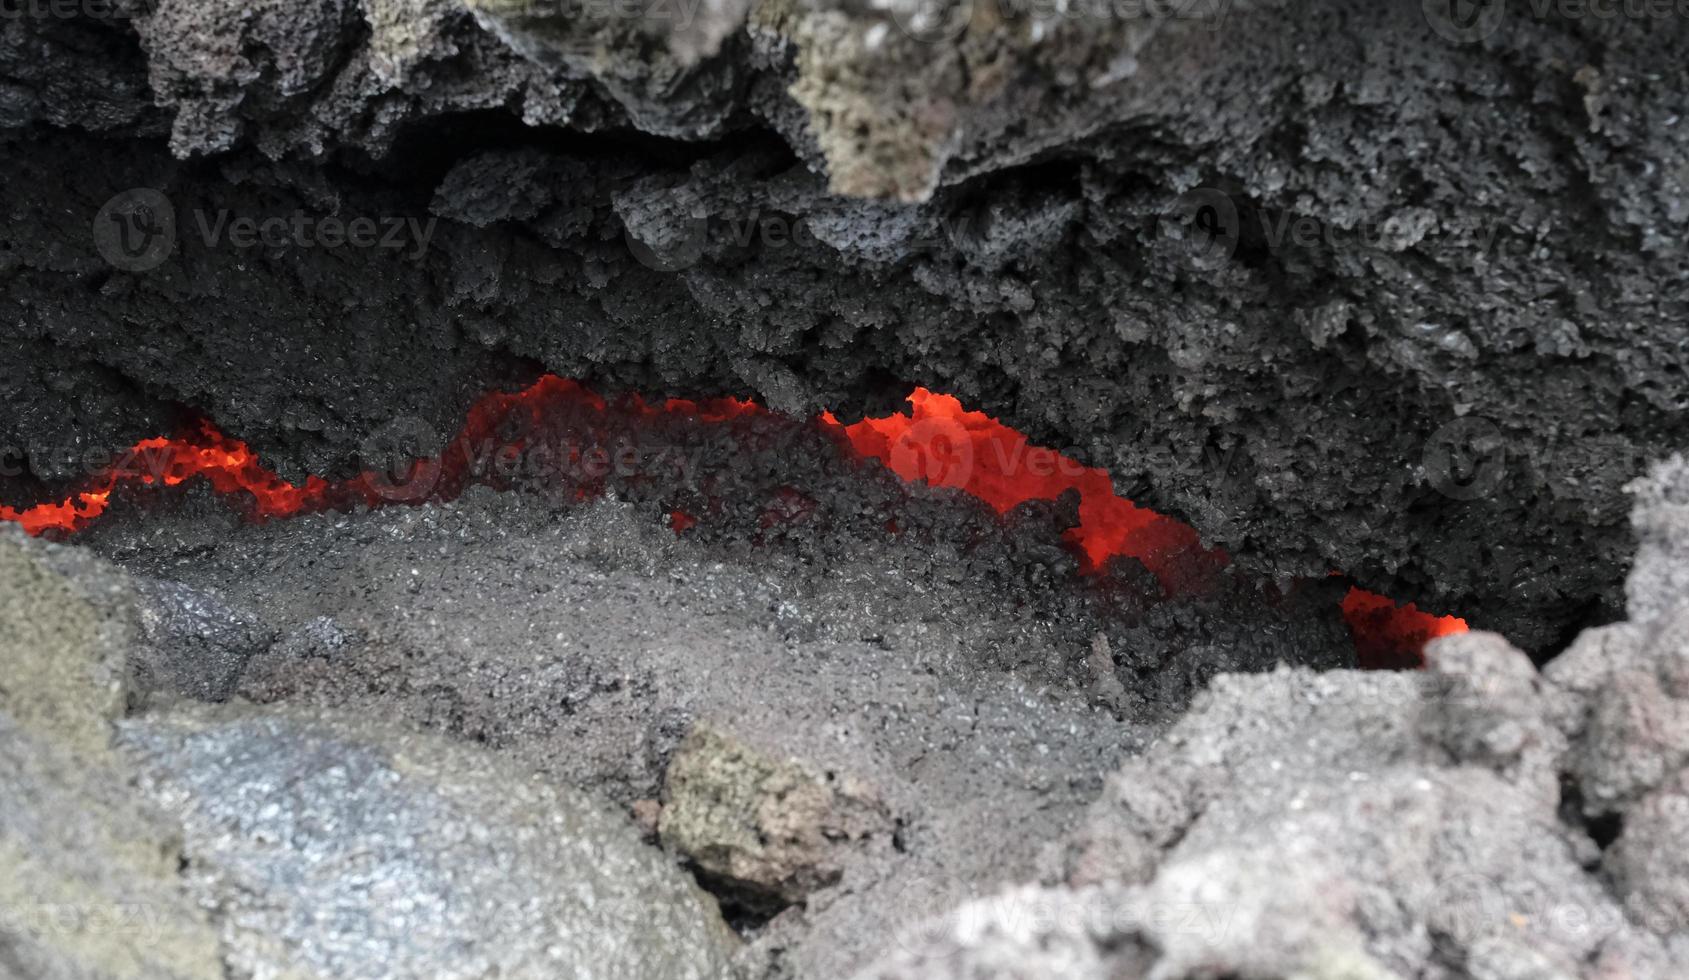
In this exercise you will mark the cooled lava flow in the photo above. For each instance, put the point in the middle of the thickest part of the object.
(937, 441)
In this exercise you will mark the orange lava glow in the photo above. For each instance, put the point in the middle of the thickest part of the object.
(232, 467)
(1388, 636)
(937, 441)
(941, 442)
(946, 445)
(227, 463)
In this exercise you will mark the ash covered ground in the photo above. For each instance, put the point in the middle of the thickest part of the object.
(863, 730)
(834, 727)
(518, 736)
(1445, 327)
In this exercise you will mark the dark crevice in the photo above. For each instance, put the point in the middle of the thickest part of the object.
(425, 150)
(746, 909)
(1591, 614)
(1604, 829)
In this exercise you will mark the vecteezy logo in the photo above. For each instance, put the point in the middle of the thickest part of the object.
(924, 908)
(933, 21)
(938, 451)
(136, 230)
(1206, 220)
(400, 460)
(1466, 907)
(1464, 21)
(668, 245)
(1466, 459)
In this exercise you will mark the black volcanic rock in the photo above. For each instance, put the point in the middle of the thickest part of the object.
(1340, 283)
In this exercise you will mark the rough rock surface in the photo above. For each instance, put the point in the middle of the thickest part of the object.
(70, 623)
(89, 888)
(1441, 824)
(762, 825)
(1353, 825)
(334, 847)
(194, 644)
(895, 663)
(1447, 327)
(964, 688)
(302, 845)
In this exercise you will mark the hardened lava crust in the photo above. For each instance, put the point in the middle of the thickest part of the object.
(1346, 285)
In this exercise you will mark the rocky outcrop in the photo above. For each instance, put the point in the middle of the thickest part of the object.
(1341, 285)
(1354, 825)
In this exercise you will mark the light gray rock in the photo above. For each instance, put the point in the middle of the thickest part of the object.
(1649, 863)
(1630, 680)
(1355, 822)
(1659, 579)
(340, 848)
(89, 882)
(1338, 825)
(1637, 736)
(67, 621)
(1489, 706)
(89, 888)
(1347, 825)
(1021, 932)
(297, 76)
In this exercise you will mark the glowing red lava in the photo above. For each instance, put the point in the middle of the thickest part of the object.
(1388, 636)
(941, 442)
(227, 463)
(938, 441)
(946, 445)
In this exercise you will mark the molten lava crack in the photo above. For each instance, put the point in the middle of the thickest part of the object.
(938, 441)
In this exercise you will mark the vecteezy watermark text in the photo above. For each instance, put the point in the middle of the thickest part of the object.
(1211, 226)
(71, 9)
(142, 462)
(407, 235)
(134, 921)
(138, 230)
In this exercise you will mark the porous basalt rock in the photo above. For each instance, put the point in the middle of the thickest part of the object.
(1443, 330)
(1634, 724)
(308, 78)
(1302, 825)
(1647, 862)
